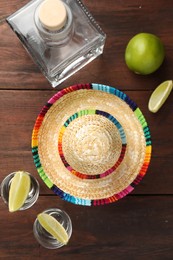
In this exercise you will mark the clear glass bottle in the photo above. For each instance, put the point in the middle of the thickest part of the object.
(59, 52)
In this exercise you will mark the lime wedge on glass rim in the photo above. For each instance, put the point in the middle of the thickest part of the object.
(159, 96)
(19, 190)
(53, 227)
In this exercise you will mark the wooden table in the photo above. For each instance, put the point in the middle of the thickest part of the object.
(139, 226)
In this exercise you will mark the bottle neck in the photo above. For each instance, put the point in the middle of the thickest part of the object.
(55, 37)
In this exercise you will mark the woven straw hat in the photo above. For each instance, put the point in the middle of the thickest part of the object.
(91, 144)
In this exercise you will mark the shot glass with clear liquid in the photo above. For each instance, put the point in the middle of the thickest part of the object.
(43, 237)
(32, 196)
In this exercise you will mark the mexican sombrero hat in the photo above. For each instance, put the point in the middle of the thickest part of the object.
(91, 144)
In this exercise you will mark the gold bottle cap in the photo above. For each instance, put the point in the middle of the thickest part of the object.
(52, 14)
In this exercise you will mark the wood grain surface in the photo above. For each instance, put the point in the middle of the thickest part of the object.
(139, 226)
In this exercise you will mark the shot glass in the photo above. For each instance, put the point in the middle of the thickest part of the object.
(43, 237)
(32, 196)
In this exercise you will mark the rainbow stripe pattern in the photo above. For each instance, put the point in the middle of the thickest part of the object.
(122, 135)
(138, 114)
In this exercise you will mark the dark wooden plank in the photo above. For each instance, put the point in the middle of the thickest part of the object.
(158, 180)
(7, 9)
(19, 109)
(18, 112)
(134, 228)
(120, 20)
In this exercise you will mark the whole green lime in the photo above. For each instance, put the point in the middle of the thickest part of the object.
(144, 53)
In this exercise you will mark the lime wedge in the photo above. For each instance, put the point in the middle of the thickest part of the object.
(53, 227)
(19, 190)
(159, 96)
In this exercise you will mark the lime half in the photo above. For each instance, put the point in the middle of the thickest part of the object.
(159, 96)
(53, 227)
(19, 190)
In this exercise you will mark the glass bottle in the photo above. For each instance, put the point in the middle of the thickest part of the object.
(61, 49)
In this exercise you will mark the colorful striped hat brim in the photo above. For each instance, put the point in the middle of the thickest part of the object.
(91, 144)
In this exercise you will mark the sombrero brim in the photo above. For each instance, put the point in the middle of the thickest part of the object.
(91, 144)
